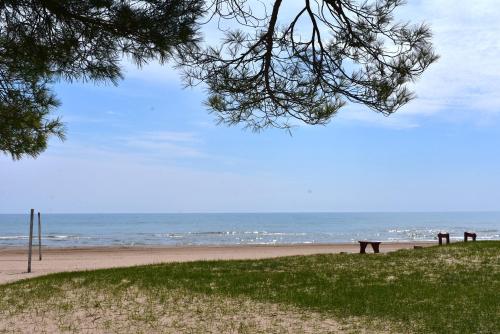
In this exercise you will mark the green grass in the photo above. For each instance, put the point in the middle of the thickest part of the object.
(449, 289)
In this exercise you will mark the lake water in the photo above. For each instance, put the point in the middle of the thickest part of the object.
(70, 230)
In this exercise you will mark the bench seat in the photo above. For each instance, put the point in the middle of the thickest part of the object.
(364, 243)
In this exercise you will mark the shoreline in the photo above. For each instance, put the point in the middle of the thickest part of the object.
(175, 246)
(13, 259)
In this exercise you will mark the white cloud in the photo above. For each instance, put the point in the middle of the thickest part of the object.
(142, 146)
(464, 84)
(166, 144)
(467, 76)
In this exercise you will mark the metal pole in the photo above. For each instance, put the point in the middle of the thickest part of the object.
(39, 237)
(30, 246)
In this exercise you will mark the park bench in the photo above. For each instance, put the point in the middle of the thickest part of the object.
(364, 243)
(442, 236)
(469, 234)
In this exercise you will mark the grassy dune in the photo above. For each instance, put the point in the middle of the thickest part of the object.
(449, 289)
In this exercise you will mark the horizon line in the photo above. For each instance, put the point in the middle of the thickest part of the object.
(252, 212)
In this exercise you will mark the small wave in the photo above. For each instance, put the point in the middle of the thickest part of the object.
(398, 231)
(63, 237)
(489, 237)
(264, 233)
(14, 237)
(214, 233)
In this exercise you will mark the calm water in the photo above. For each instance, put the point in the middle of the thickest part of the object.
(69, 230)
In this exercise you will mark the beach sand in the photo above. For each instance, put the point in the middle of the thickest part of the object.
(13, 261)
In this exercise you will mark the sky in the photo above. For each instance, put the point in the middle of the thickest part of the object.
(149, 145)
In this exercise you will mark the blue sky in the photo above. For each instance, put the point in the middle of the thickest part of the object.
(149, 145)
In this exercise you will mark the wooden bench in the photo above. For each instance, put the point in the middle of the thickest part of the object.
(364, 243)
(469, 234)
(442, 236)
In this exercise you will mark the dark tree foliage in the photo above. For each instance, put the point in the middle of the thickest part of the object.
(46, 40)
(271, 70)
(25, 104)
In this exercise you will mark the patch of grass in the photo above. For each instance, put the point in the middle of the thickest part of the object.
(449, 289)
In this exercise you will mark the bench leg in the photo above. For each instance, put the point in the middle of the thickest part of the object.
(362, 248)
(376, 248)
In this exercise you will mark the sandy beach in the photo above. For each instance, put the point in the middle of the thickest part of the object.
(13, 261)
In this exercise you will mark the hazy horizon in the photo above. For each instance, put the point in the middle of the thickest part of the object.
(245, 212)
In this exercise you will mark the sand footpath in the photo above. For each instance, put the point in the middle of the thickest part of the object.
(13, 261)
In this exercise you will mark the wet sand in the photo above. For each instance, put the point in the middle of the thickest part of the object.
(13, 260)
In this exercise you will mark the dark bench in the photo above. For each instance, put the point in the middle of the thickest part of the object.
(469, 234)
(364, 243)
(442, 236)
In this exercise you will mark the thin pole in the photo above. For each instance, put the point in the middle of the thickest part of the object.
(30, 247)
(39, 237)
